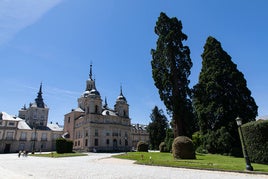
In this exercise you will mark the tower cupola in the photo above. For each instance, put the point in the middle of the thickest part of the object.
(39, 100)
(121, 106)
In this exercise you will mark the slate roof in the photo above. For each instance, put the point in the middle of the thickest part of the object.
(23, 125)
(54, 127)
(5, 116)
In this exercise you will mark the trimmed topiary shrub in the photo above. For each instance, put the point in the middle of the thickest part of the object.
(256, 140)
(183, 148)
(64, 146)
(163, 147)
(69, 146)
(142, 146)
(60, 145)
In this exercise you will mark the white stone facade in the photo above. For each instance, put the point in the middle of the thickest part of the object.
(96, 127)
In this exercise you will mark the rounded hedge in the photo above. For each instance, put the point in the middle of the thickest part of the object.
(256, 140)
(163, 147)
(183, 148)
(142, 146)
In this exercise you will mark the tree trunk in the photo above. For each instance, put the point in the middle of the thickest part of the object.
(178, 126)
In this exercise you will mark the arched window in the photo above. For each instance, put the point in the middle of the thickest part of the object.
(96, 109)
(125, 113)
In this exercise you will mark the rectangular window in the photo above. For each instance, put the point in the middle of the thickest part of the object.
(96, 142)
(34, 136)
(86, 142)
(43, 146)
(96, 132)
(107, 141)
(11, 123)
(23, 136)
(21, 146)
(10, 135)
(115, 134)
(79, 143)
(44, 136)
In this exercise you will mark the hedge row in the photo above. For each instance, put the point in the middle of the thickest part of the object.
(256, 140)
(64, 146)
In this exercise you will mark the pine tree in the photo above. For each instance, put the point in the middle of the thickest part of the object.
(157, 128)
(171, 64)
(221, 95)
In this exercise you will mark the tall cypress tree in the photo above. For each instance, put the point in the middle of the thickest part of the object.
(221, 93)
(157, 128)
(171, 64)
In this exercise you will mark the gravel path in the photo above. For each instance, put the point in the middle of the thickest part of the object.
(100, 166)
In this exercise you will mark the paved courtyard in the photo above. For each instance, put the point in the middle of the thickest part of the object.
(99, 166)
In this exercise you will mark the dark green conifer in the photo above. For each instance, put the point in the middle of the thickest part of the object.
(221, 94)
(171, 64)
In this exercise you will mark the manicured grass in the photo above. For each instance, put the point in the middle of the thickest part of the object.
(202, 161)
(56, 155)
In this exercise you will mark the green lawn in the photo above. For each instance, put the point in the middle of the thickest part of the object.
(203, 161)
(56, 155)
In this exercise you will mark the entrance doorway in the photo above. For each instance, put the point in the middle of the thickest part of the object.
(114, 144)
(7, 148)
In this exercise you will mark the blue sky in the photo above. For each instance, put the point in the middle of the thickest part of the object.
(54, 42)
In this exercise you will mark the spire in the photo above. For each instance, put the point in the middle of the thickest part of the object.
(90, 82)
(40, 89)
(39, 100)
(121, 96)
(90, 72)
(105, 103)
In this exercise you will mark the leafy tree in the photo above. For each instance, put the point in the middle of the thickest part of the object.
(171, 64)
(169, 139)
(221, 94)
(157, 128)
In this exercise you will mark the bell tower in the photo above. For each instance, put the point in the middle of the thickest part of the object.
(37, 113)
(90, 101)
(121, 106)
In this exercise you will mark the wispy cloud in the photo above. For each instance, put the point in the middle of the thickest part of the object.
(18, 87)
(62, 92)
(15, 15)
(54, 91)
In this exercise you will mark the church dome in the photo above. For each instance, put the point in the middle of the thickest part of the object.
(85, 94)
(121, 98)
(94, 92)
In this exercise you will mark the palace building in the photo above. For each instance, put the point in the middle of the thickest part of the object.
(30, 131)
(93, 126)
